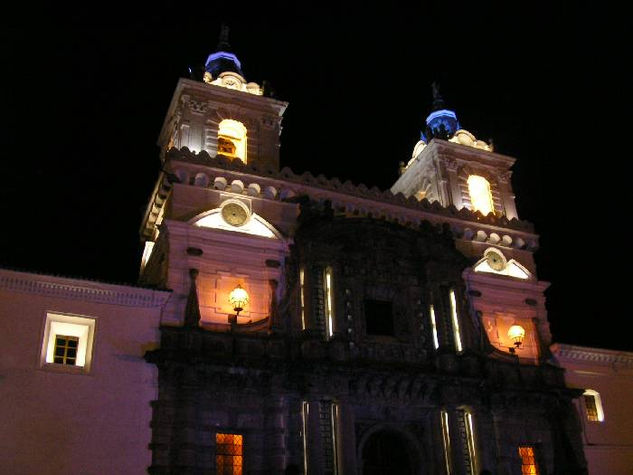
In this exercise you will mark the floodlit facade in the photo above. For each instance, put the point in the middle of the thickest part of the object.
(305, 325)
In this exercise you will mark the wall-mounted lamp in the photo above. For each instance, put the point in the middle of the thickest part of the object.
(238, 298)
(516, 333)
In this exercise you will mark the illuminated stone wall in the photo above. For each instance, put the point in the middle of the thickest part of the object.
(441, 170)
(255, 382)
(58, 419)
(197, 109)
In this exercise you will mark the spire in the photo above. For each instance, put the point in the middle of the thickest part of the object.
(438, 101)
(223, 39)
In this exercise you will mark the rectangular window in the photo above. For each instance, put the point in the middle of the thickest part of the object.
(455, 320)
(379, 317)
(436, 341)
(302, 297)
(528, 461)
(593, 406)
(329, 312)
(470, 439)
(66, 349)
(228, 454)
(446, 439)
(305, 414)
(68, 342)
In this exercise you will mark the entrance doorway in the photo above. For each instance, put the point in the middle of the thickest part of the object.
(386, 453)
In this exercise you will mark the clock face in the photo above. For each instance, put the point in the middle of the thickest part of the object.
(235, 214)
(495, 260)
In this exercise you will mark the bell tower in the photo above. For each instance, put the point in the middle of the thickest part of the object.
(450, 166)
(211, 228)
(224, 114)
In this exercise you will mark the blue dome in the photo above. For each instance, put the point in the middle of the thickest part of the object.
(223, 61)
(442, 123)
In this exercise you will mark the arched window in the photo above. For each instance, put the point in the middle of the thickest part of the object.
(480, 195)
(232, 139)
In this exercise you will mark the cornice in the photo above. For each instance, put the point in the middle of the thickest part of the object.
(355, 199)
(504, 281)
(597, 356)
(465, 153)
(227, 93)
(85, 290)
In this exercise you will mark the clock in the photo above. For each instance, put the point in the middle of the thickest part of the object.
(495, 260)
(235, 213)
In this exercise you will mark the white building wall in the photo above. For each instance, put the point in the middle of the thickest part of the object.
(55, 421)
(608, 444)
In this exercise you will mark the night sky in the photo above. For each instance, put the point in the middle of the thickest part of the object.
(85, 92)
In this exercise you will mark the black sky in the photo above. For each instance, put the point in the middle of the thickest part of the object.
(85, 91)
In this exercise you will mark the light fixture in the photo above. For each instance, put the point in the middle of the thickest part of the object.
(238, 298)
(516, 334)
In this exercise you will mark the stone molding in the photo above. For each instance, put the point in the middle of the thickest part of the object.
(85, 290)
(599, 356)
(354, 199)
(198, 107)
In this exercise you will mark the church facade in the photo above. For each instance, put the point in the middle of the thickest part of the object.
(306, 325)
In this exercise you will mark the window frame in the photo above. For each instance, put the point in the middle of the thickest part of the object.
(82, 327)
(66, 348)
(597, 402)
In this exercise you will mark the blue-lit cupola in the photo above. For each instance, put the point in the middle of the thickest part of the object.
(442, 123)
(223, 60)
(223, 69)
